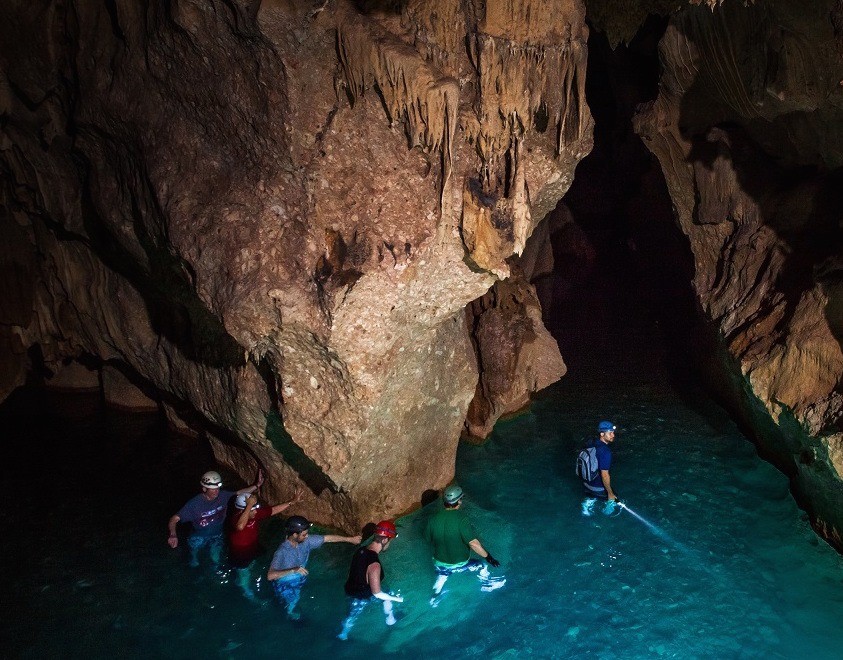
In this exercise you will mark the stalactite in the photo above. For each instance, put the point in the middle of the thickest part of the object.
(438, 28)
(413, 92)
(521, 214)
(517, 80)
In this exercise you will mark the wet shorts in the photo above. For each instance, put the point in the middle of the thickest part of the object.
(288, 588)
(596, 494)
(471, 565)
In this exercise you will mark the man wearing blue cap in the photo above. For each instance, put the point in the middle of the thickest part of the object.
(600, 485)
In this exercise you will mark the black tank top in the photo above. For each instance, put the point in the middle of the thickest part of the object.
(356, 585)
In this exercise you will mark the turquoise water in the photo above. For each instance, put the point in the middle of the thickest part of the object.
(731, 570)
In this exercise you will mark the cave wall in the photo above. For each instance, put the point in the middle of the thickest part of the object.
(515, 355)
(275, 214)
(747, 128)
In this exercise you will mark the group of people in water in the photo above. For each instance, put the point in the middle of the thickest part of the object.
(451, 536)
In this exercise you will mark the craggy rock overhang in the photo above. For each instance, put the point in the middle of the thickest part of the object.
(274, 215)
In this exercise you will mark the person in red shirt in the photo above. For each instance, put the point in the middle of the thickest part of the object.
(243, 543)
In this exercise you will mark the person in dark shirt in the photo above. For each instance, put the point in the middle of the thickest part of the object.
(365, 579)
(600, 487)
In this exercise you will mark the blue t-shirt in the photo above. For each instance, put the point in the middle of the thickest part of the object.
(206, 517)
(289, 557)
(604, 462)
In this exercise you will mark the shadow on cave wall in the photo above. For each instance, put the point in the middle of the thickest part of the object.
(294, 456)
(791, 165)
(166, 283)
(164, 453)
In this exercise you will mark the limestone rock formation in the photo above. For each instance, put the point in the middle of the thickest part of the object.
(121, 393)
(74, 377)
(516, 355)
(276, 213)
(621, 19)
(748, 127)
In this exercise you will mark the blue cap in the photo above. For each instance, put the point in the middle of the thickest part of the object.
(605, 426)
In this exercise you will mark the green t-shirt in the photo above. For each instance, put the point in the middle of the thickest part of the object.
(449, 533)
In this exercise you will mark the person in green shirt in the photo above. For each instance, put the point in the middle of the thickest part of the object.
(453, 538)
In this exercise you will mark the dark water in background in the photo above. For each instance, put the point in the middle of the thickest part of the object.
(732, 569)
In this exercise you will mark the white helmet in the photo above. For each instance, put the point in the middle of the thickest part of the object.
(241, 500)
(211, 480)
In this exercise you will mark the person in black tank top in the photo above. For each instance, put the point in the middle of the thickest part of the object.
(357, 585)
(365, 578)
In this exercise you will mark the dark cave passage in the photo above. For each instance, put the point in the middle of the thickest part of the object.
(620, 301)
(623, 268)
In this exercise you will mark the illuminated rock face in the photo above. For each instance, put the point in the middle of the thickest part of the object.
(748, 127)
(276, 213)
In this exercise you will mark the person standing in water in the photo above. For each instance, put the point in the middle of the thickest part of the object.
(243, 544)
(365, 579)
(453, 538)
(600, 486)
(287, 570)
(206, 512)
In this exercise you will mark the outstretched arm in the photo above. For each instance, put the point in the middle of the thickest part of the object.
(332, 538)
(297, 497)
(475, 545)
(373, 577)
(251, 489)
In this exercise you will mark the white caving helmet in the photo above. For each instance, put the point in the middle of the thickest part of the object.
(211, 479)
(241, 500)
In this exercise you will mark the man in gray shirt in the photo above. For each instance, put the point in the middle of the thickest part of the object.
(287, 570)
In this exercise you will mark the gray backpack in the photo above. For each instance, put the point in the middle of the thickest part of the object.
(587, 463)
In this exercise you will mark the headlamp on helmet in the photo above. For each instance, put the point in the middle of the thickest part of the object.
(242, 500)
(211, 479)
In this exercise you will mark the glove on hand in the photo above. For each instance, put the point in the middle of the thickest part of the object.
(492, 561)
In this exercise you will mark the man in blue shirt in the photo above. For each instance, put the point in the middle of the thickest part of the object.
(600, 487)
(287, 570)
(206, 513)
